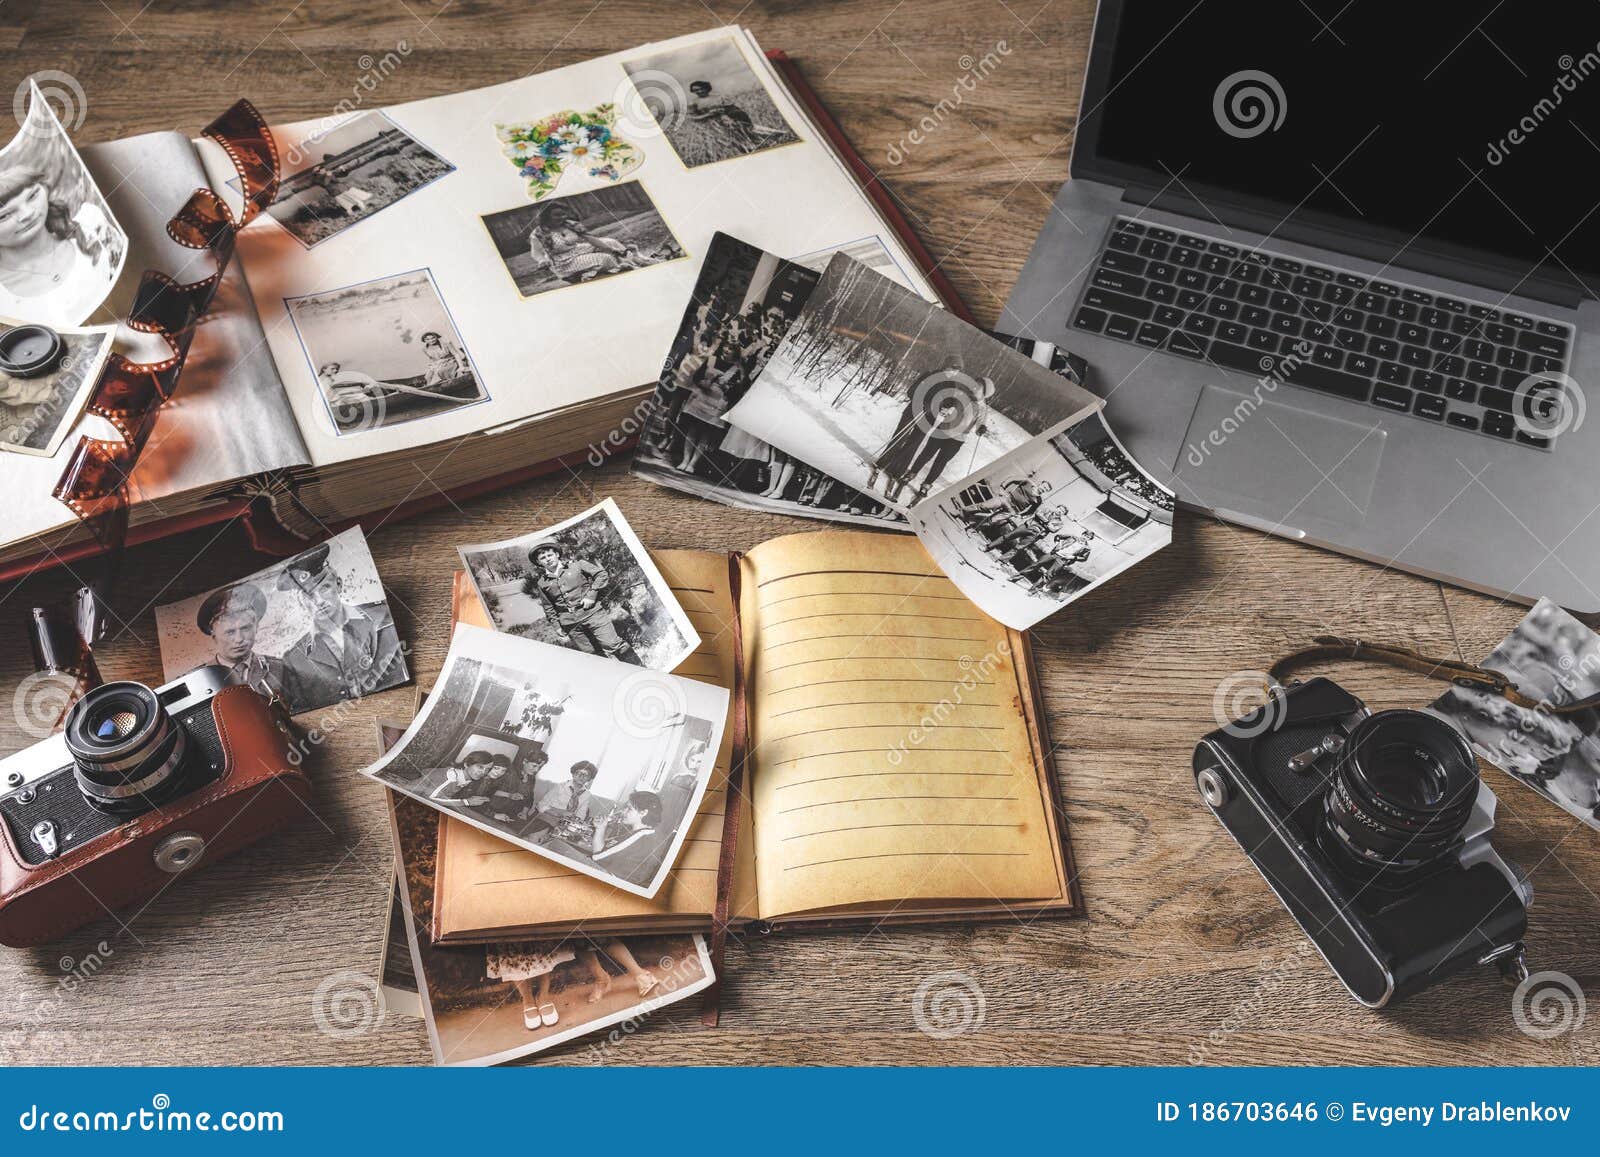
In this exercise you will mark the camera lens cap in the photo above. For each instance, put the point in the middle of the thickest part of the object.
(29, 351)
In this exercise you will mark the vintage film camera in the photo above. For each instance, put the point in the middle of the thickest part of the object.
(1373, 830)
(139, 786)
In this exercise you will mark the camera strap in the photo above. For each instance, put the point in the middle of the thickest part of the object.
(1335, 648)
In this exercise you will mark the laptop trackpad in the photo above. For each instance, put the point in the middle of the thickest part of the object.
(1283, 467)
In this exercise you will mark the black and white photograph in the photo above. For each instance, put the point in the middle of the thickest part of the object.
(350, 173)
(587, 583)
(581, 237)
(896, 397)
(1047, 524)
(384, 352)
(38, 409)
(743, 303)
(709, 103)
(580, 759)
(315, 629)
(1554, 659)
(870, 251)
(61, 250)
(489, 1004)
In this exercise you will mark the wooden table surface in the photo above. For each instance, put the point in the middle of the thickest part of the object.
(1184, 954)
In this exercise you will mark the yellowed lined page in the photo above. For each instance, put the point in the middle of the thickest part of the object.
(891, 756)
(484, 882)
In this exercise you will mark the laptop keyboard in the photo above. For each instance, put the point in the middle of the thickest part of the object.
(1383, 343)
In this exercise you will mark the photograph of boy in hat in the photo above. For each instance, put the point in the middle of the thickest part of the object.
(231, 617)
(573, 591)
(348, 650)
(315, 629)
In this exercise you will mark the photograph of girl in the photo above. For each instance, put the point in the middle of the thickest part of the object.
(61, 250)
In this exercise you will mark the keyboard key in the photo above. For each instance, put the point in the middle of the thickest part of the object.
(1445, 342)
(1384, 288)
(1161, 234)
(1201, 324)
(1416, 357)
(1417, 296)
(1394, 373)
(1512, 359)
(1151, 334)
(1211, 263)
(1154, 250)
(1543, 344)
(1528, 439)
(1427, 406)
(1284, 323)
(1427, 382)
(1477, 350)
(1338, 294)
(1093, 320)
(1319, 273)
(1249, 274)
(1462, 421)
(1494, 398)
(1186, 344)
(1371, 302)
(1118, 303)
(1411, 333)
(1320, 310)
(1118, 282)
(1399, 310)
(1460, 391)
(1232, 331)
(1225, 250)
(1302, 374)
(1539, 365)
(1222, 287)
(1391, 398)
(1190, 299)
(1261, 339)
(1306, 287)
(1121, 328)
(1465, 325)
(1381, 326)
(1352, 340)
(1254, 295)
(1191, 242)
(1316, 332)
(1125, 242)
(1127, 225)
(1254, 315)
(1433, 318)
(1161, 292)
(1548, 328)
(1482, 372)
(1450, 304)
(1353, 281)
(1191, 279)
(1287, 265)
(1500, 425)
(1285, 303)
(1382, 347)
(1327, 355)
(1450, 366)
(1187, 258)
(1223, 308)
(1499, 334)
(1362, 364)
(1161, 271)
(1167, 315)
(1122, 262)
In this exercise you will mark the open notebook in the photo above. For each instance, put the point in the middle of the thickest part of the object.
(418, 314)
(896, 767)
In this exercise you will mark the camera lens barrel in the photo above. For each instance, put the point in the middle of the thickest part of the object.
(127, 751)
(1402, 791)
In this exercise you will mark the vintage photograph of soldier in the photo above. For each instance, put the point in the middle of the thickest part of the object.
(586, 583)
(314, 629)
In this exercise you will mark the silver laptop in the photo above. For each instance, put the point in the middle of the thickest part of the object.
(1334, 267)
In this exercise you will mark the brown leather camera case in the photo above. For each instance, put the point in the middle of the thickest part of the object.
(259, 791)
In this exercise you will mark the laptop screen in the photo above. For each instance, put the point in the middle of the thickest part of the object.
(1436, 127)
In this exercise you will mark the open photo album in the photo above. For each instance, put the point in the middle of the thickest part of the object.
(445, 291)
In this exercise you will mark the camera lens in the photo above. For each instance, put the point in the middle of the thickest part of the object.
(126, 750)
(1402, 791)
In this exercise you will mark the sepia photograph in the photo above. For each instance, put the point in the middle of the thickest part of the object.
(384, 352)
(61, 250)
(1047, 524)
(743, 303)
(350, 173)
(581, 760)
(1554, 659)
(488, 1004)
(314, 629)
(894, 396)
(581, 237)
(37, 411)
(586, 583)
(709, 103)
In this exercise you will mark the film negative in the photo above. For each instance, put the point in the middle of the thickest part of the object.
(130, 394)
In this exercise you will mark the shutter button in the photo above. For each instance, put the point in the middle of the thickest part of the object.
(179, 852)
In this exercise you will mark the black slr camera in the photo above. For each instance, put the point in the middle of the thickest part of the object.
(1373, 829)
(139, 786)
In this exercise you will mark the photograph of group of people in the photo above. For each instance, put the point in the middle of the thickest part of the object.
(576, 757)
(743, 303)
(894, 396)
(487, 1004)
(313, 630)
(586, 583)
(1045, 525)
(1555, 659)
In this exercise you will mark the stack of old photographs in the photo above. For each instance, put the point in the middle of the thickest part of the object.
(843, 396)
(563, 733)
